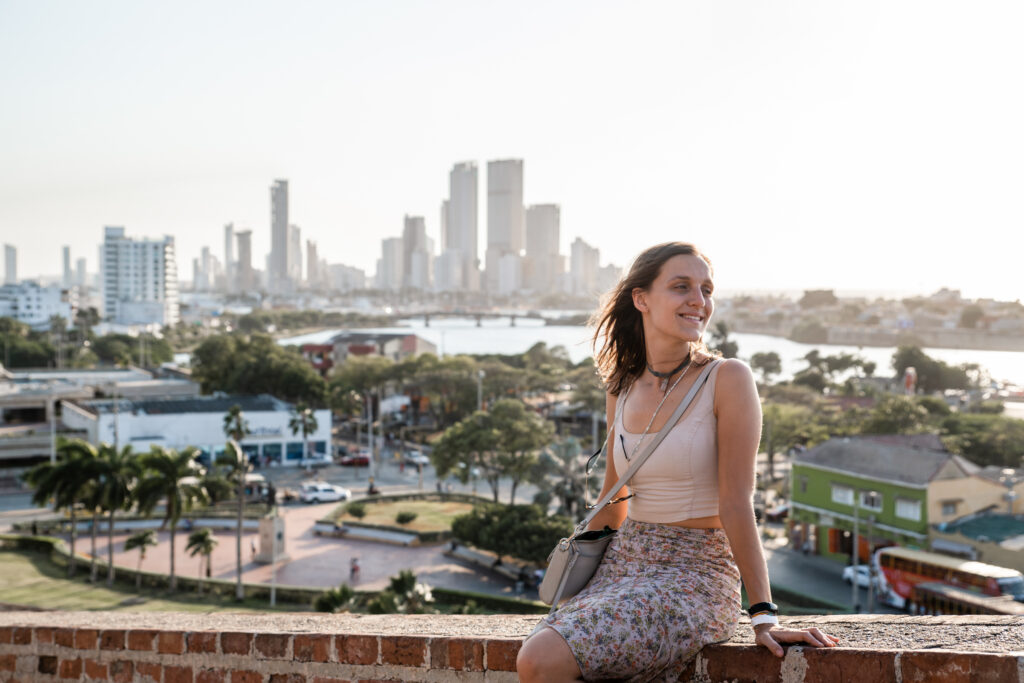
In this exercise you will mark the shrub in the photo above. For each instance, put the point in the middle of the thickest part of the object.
(357, 510)
(334, 599)
(405, 517)
(522, 531)
(386, 602)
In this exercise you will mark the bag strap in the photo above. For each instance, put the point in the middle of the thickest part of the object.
(702, 379)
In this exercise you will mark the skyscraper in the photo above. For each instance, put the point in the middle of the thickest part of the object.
(389, 267)
(10, 264)
(80, 275)
(313, 275)
(460, 233)
(543, 263)
(229, 257)
(139, 279)
(294, 256)
(245, 277)
(417, 254)
(506, 223)
(278, 275)
(67, 279)
(584, 268)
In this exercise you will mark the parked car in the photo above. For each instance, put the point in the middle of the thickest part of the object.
(416, 458)
(777, 513)
(322, 492)
(860, 571)
(316, 460)
(355, 460)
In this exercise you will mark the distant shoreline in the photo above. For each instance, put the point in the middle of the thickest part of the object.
(966, 340)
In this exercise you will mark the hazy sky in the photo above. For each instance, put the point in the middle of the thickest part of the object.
(860, 145)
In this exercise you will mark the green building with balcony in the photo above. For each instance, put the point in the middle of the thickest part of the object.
(883, 489)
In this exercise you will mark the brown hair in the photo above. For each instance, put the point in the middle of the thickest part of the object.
(622, 356)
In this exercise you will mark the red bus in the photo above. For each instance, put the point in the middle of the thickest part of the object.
(941, 598)
(900, 569)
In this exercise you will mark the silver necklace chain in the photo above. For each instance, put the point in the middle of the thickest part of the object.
(643, 435)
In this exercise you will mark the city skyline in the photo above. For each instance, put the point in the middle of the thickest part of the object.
(780, 141)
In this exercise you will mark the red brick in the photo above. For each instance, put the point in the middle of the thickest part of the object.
(141, 639)
(501, 654)
(742, 663)
(957, 667)
(86, 638)
(112, 640)
(65, 637)
(6, 634)
(403, 650)
(44, 635)
(356, 649)
(246, 677)
(153, 672)
(94, 669)
(312, 647)
(232, 643)
(272, 645)
(8, 662)
(177, 674)
(22, 636)
(461, 654)
(70, 668)
(170, 643)
(847, 665)
(287, 678)
(122, 671)
(47, 664)
(202, 641)
(211, 676)
(321, 679)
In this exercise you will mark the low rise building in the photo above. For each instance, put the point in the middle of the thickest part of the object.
(339, 348)
(29, 303)
(199, 421)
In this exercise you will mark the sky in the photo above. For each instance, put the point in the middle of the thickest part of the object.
(861, 146)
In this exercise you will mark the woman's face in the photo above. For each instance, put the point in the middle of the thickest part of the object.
(678, 303)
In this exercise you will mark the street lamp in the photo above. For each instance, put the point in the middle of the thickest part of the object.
(1008, 478)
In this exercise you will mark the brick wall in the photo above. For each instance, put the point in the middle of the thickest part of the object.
(292, 648)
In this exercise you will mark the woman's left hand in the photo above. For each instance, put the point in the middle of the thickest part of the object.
(770, 635)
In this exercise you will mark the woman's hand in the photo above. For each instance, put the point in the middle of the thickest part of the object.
(770, 635)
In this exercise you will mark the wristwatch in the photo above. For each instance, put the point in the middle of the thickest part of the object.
(763, 608)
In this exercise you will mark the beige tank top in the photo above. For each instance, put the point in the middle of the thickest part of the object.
(679, 480)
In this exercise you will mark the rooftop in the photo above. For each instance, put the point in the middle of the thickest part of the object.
(883, 459)
(188, 404)
(992, 526)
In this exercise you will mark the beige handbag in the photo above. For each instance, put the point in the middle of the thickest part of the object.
(575, 559)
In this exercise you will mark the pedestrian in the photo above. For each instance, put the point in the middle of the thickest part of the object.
(353, 570)
(669, 581)
(252, 546)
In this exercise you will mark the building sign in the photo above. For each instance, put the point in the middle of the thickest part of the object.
(265, 431)
(827, 520)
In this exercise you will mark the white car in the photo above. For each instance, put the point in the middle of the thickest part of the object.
(321, 492)
(416, 458)
(862, 573)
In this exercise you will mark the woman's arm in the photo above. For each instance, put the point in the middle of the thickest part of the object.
(739, 435)
(612, 515)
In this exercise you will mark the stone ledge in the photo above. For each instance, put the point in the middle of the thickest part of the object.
(163, 647)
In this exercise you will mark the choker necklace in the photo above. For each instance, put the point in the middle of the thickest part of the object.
(666, 376)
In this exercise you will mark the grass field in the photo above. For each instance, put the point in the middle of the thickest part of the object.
(32, 580)
(430, 515)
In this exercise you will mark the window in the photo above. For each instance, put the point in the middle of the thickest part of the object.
(949, 507)
(871, 500)
(908, 509)
(842, 494)
(803, 483)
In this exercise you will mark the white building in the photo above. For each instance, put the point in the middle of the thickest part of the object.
(448, 275)
(506, 220)
(10, 264)
(67, 279)
(583, 265)
(139, 279)
(389, 266)
(543, 263)
(294, 255)
(277, 267)
(33, 305)
(459, 231)
(346, 278)
(198, 421)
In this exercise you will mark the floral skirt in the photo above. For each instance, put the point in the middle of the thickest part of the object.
(660, 594)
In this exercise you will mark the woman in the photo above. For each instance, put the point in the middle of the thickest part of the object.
(669, 582)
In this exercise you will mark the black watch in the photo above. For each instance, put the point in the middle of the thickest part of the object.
(769, 607)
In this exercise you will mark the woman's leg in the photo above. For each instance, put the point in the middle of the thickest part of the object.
(545, 656)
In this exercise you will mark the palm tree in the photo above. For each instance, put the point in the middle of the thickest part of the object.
(141, 540)
(117, 477)
(174, 477)
(236, 465)
(303, 420)
(65, 481)
(201, 542)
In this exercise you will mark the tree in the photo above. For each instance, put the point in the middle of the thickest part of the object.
(201, 542)
(588, 390)
(235, 465)
(561, 475)
(303, 420)
(140, 540)
(116, 477)
(932, 375)
(897, 415)
(172, 476)
(985, 439)
(971, 315)
(787, 425)
(767, 363)
(503, 442)
(721, 342)
(65, 482)
(526, 532)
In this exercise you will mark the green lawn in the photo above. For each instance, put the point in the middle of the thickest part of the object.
(31, 579)
(430, 515)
